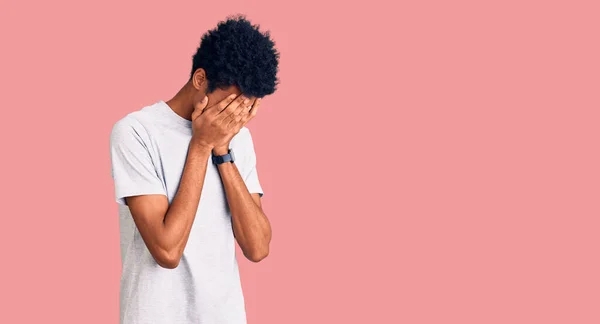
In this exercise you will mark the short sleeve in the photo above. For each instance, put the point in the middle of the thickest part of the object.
(132, 169)
(245, 151)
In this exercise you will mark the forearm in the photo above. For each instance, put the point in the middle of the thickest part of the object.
(182, 210)
(250, 225)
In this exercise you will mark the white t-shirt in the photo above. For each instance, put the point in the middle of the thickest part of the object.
(148, 150)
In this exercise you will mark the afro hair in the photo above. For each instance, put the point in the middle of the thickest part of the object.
(237, 53)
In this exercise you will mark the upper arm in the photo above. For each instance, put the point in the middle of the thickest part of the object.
(136, 181)
(132, 167)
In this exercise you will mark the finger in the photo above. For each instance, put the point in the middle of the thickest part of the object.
(232, 106)
(246, 113)
(239, 116)
(254, 109)
(243, 107)
(218, 108)
(234, 121)
(227, 119)
(235, 117)
(248, 117)
(253, 113)
(253, 101)
(199, 107)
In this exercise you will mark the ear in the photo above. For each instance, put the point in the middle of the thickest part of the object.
(199, 79)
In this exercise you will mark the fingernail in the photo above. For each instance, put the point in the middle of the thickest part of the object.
(246, 100)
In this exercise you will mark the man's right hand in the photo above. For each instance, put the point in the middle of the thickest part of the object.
(214, 126)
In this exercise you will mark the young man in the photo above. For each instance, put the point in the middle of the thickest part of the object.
(187, 186)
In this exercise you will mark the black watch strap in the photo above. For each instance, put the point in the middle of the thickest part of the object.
(219, 159)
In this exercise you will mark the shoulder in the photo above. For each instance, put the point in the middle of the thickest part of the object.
(243, 145)
(134, 124)
(244, 132)
(131, 129)
(125, 127)
(243, 138)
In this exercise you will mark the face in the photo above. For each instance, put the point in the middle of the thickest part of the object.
(199, 82)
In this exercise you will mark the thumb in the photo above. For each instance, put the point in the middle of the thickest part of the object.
(199, 107)
(202, 104)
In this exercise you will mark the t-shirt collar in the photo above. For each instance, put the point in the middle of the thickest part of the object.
(171, 115)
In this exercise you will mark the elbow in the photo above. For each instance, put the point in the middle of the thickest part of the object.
(168, 259)
(257, 255)
(169, 264)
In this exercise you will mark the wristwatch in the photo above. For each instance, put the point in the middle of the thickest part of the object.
(219, 159)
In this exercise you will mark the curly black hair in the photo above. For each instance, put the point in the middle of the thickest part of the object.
(237, 53)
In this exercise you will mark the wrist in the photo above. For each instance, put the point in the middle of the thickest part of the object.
(202, 146)
(220, 150)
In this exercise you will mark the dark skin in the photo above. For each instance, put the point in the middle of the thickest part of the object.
(216, 118)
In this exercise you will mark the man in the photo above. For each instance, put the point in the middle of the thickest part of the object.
(187, 186)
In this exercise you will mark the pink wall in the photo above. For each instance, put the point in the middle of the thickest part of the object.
(422, 163)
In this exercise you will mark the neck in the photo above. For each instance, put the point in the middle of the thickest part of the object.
(182, 103)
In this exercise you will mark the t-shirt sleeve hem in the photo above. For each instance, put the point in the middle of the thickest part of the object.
(260, 193)
(255, 188)
(122, 194)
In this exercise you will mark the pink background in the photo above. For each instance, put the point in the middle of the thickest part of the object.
(422, 163)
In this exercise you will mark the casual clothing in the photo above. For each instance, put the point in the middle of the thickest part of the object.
(148, 150)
